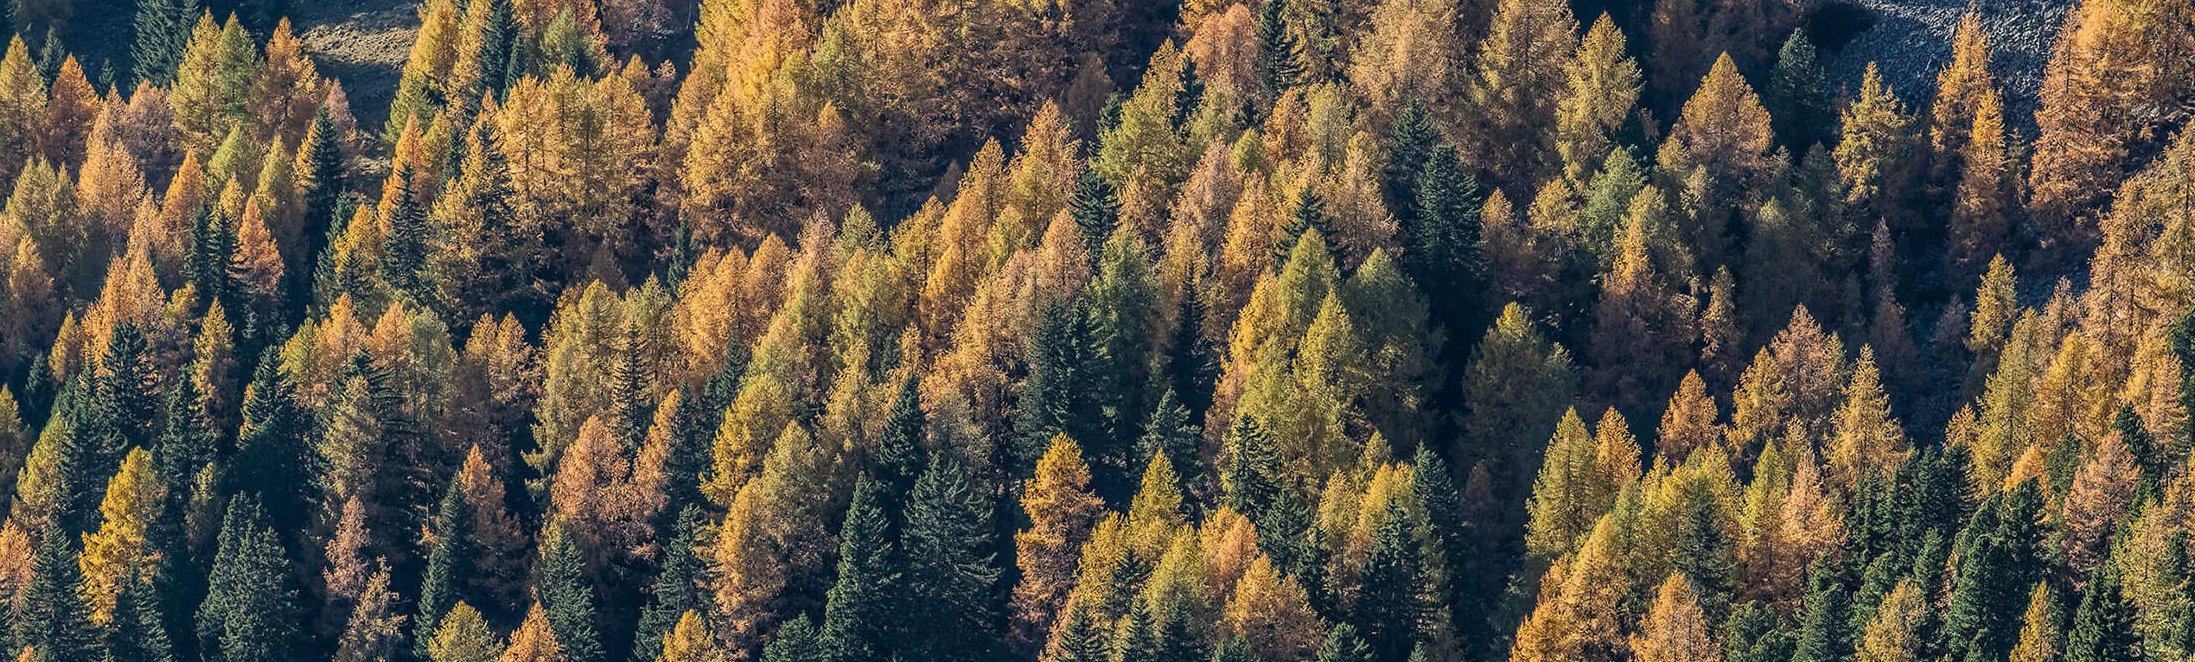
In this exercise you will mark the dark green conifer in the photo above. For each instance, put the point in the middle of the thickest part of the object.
(2103, 627)
(250, 613)
(1825, 633)
(1343, 645)
(274, 456)
(404, 250)
(796, 641)
(139, 632)
(1307, 213)
(1755, 633)
(1798, 102)
(860, 613)
(1389, 605)
(50, 614)
(951, 568)
(565, 592)
(1410, 144)
(163, 31)
(1440, 242)
(1171, 433)
(438, 588)
(677, 587)
(1056, 397)
(1278, 52)
(1095, 209)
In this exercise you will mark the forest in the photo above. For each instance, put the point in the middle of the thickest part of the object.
(1094, 331)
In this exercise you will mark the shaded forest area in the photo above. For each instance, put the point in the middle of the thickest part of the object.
(1094, 330)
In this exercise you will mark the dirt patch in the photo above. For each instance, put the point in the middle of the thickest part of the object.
(362, 43)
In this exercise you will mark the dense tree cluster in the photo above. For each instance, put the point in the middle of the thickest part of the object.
(1094, 331)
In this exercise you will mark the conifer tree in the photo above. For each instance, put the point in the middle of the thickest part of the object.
(463, 637)
(1796, 95)
(797, 640)
(1170, 432)
(273, 442)
(1441, 240)
(1279, 56)
(162, 29)
(1824, 633)
(1055, 398)
(438, 592)
(1754, 633)
(1390, 599)
(2001, 554)
(1876, 152)
(678, 586)
(2103, 627)
(139, 630)
(562, 589)
(901, 452)
(951, 574)
(50, 615)
(250, 610)
(1124, 305)
(1343, 645)
(1094, 208)
(320, 174)
(22, 103)
(861, 614)
(404, 248)
(1410, 142)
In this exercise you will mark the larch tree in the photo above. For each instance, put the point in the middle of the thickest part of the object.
(1877, 155)
(535, 639)
(1689, 422)
(1723, 151)
(463, 637)
(1982, 203)
(375, 631)
(1864, 438)
(2085, 126)
(1061, 511)
(1673, 629)
(1515, 390)
(1603, 89)
(123, 548)
(1895, 635)
(1518, 86)
(2041, 635)
(22, 104)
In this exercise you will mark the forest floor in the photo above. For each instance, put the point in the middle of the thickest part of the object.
(362, 43)
(1910, 41)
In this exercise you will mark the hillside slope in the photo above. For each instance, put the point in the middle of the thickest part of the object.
(364, 44)
(1910, 41)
